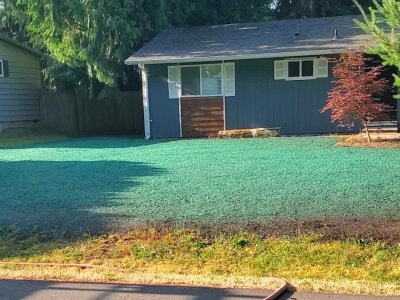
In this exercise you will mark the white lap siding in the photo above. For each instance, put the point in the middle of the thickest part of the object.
(20, 87)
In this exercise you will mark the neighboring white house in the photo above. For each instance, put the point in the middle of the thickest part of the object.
(20, 84)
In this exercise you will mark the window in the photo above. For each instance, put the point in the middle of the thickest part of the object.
(293, 69)
(205, 80)
(201, 80)
(211, 80)
(190, 81)
(307, 68)
(1, 69)
(301, 68)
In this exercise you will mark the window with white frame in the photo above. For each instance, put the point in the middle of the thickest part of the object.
(301, 68)
(201, 80)
(205, 80)
(1, 68)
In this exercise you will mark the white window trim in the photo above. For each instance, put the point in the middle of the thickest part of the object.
(2, 68)
(201, 81)
(300, 60)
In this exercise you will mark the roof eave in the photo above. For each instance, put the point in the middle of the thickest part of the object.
(133, 61)
(20, 45)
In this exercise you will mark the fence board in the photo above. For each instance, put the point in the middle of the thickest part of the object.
(75, 114)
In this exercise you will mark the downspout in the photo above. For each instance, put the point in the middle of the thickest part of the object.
(224, 91)
(398, 115)
(145, 95)
(179, 83)
(398, 105)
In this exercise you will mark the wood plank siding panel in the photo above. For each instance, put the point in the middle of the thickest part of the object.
(202, 117)
(164, 112)
(261, 101)
(20, 91)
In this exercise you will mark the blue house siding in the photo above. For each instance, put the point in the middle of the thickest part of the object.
(164, 112)
(260, 101)
(398, 119)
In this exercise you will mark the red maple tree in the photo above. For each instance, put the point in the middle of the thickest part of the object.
(355, 86)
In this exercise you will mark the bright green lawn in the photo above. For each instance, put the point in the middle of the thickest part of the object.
(100, 183)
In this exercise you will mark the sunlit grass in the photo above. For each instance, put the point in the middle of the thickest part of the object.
(308, 262)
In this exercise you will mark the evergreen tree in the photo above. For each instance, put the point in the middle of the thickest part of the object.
(383, 24)
(286, 9)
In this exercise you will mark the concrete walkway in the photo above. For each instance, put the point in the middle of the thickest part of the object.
(42, 290)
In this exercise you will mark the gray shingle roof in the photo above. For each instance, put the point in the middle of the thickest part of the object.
(252, 40)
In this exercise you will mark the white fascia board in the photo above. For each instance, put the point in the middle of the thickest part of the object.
(237, 57)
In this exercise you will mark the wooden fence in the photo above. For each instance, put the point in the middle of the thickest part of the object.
(75, 114)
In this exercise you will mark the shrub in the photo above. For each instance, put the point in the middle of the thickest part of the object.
(355, 85)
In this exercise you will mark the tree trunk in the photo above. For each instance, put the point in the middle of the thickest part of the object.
(91, 89)
(314, 8)
(367, 131)
(91, 81)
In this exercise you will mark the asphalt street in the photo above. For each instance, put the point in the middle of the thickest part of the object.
(44, 290)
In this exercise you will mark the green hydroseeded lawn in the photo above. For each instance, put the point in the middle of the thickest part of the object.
(101, 183)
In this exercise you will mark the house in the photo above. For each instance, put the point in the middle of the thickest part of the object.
(20, 84)
(200, 80)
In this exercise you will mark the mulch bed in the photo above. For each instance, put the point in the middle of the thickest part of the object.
(357, 141)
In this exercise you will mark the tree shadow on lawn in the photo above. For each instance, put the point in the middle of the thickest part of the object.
(70, 198)
(104, 142)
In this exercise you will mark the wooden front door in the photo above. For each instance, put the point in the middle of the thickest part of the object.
(202, 117)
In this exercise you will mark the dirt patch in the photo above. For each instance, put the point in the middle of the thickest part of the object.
(364, 230)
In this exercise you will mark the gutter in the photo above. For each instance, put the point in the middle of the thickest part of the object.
(133, 61)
